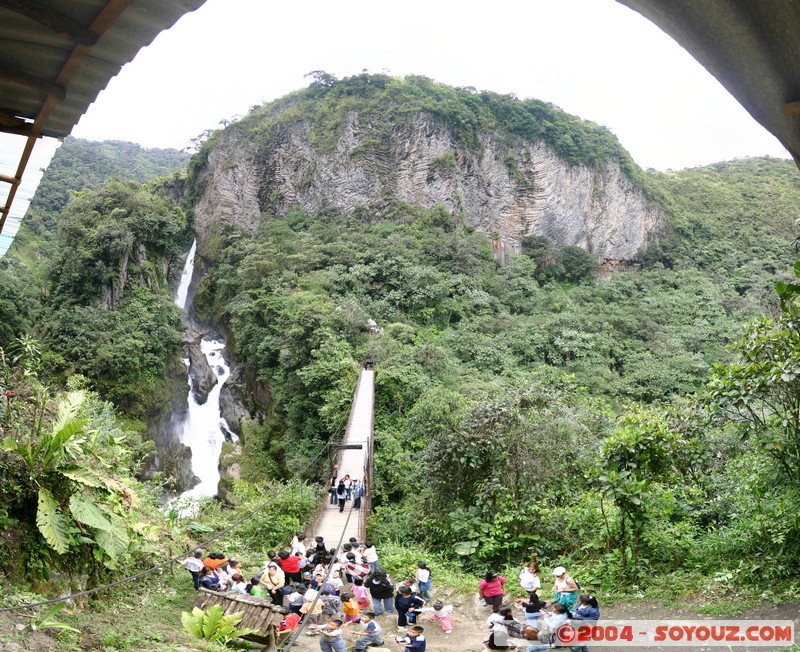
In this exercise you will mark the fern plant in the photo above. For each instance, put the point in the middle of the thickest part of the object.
(75, 500)
(212, 625)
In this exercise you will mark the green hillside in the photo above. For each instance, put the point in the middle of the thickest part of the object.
(620, 423)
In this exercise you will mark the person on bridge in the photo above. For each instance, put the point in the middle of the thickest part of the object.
(341, 495)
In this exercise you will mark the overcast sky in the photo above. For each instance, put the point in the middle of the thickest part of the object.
(594, 58)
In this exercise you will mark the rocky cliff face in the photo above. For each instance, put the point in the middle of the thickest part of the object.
(505, 191)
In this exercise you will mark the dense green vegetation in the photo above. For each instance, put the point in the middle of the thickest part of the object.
(384, 103)
(25, 282)
(636, 425)
(530, 406)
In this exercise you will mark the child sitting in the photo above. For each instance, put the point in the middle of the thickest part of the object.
(238, 584)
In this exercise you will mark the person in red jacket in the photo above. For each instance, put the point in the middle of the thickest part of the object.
(290, 565)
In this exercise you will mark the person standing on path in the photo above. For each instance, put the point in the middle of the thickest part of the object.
(424, 582)
(382, 592)
(565, 589)
(492, 589)
(406, 603)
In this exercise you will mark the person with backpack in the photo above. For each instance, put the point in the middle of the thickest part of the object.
(381, 590)
(424, 581)
(565, 589)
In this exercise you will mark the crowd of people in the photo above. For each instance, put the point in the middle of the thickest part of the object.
(341, 593)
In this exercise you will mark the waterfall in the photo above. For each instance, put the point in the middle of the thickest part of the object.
(186, 278)
(203, 430)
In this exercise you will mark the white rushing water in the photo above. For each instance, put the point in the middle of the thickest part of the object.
(186, 278)
(203, 429)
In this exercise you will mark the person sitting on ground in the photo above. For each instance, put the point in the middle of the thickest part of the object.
(223, 575)
(209, 579)
(194, 564)
(257, 590)
(502, 627)
(533, 609)
(371, 634)
(238, 583)
(414, 641)
(588, 610)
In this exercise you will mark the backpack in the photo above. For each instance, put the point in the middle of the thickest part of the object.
(577, 583)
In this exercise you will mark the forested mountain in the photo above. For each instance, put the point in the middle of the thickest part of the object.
(528, 397)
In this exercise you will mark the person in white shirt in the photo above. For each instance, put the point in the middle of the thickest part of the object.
(298, 545)
(370, 556)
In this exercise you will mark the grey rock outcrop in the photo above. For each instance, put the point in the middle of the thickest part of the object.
(506, 191)
(201, 374)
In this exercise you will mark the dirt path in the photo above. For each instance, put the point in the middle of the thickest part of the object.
(469, 627)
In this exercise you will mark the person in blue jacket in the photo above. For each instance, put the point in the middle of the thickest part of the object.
(588, 610)
(406, 604)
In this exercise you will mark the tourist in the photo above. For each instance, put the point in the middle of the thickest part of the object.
(290, 565)
(355, 568)
(311, 609)
(348, 484)
(533, 609)
(442, 613)
(406, 602)
(414, 641)
(372, 633)
(424, 582)
(298, 545)
(350, 608)
(358, 491)
(360, 593)
(336, 582)
(370, 555)
(565, 589)
(215, 559)
(588, 610)
(296, 598)
(209, 579)
(331, 636)
(341, 495)
(194, 564)
(238, 583)
(381, 590)
(258, 591)
(332, 492)
(492, 589)
(331, 604)
(529, 576)
(273, 581)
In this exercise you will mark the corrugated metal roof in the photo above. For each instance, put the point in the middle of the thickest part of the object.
(57, 55)
(750, 46)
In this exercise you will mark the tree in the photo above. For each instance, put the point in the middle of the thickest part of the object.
(761, 390)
